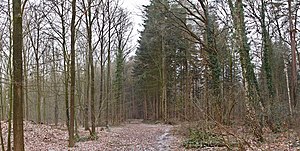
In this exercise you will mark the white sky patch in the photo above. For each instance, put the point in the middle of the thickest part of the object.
(136, 8)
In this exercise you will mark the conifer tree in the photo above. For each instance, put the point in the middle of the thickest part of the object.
(163, 50)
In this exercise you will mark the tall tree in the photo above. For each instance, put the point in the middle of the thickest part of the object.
(252, 98)
(267, 60)
(72, 73)
(108, 85)
(10, 71)
(101, 23)
(163, 55)
(55, 87)
(123, 31)
(214, 63)
(90, 62)
(292, 32)
(18, 77)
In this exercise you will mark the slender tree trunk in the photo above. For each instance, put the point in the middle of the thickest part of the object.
(26, 110)
(86, 101)
(1, 138)
(1, 86)
(288, 89)
(9, 70)
(38, 85)
(43, 90)
(66, 86)
(101, 84)
(108, 87)
(56, 112)
(1, 98)
(79, 96)
(36, 46)
(88, 67)
(89, 24)
(293, 49)
(101, 89)
(93, 118)
(18, 77)
(163, 77)
(10, 87)
(10, 96)
(145, 107)
(72, 88)
(66, 65)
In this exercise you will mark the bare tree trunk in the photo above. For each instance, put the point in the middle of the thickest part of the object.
(66, 64)
(10, 96)
(18, 77)
(89, 24)
(1, 98)
(1, 84)
(288, 89)
(108, 86)
(26, 108)
(72, 88)
(9, 70)
(293, 49)
(102, 40)
(86, 101)
(89, 96)
(164, 82)
(145, 107)
(1, 138)
(93, 118)
(56, 111)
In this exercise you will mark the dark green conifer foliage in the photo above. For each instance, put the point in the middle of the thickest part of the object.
(163, 50)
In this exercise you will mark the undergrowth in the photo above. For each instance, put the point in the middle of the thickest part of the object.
(200, 139)
(86, 138)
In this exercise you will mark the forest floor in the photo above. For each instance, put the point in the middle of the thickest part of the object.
(133, 136)
(138, 136)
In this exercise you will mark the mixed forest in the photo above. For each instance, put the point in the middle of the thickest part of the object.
(218, 63)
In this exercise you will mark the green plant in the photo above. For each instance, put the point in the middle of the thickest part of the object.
(200, 139)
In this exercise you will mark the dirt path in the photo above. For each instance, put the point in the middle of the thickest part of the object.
(142, 137)
(135, 136)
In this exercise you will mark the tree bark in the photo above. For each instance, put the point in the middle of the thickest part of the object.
(163, 75)
(86, 101)
(108, 85)
(293, 49)
(17, 77)
(72, 88)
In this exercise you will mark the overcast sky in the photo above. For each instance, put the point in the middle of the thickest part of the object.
(135, 6)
